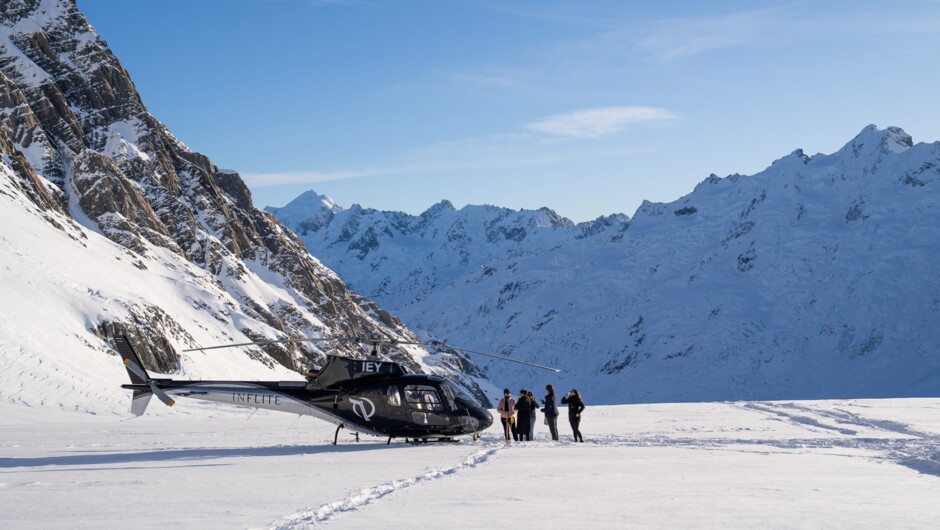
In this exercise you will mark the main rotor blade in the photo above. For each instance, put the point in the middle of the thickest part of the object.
(500, 357)
(273, 341)
(375, 340)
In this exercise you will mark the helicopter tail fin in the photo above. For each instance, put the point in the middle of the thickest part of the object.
(137, 373)
(139, 376)
(139, 402)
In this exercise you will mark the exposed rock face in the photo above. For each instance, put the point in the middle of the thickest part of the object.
(83, 147)
(155, 351)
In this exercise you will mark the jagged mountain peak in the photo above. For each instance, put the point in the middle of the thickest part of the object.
(312, 199)
(443, 206)
(309, 206)
(796, 157)
(408, 255)
(546, 217)
(875, 142)
(870, 160)
(34, 14)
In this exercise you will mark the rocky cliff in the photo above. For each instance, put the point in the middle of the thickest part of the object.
(81, 154)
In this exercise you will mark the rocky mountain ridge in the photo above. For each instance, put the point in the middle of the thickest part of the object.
(399, 258)
(814, 278)
(81, 154)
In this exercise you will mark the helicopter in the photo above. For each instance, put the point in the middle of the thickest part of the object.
(372, 396)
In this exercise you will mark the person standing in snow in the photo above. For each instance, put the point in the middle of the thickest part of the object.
(534, 407)
(523, 412)
(575, 407)
(551, 411)
(506, 407)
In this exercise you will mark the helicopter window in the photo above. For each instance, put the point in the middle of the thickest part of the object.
(448, 395)
(423, 397)
(394, 398)
(455, 395)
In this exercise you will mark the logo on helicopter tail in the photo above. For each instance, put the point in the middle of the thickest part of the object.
(359, 408)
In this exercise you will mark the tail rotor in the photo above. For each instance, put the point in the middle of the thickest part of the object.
(139, 376)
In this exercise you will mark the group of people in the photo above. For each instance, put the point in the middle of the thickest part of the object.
(518, 415)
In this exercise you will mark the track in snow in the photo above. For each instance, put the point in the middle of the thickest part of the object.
(907, 447)
(316, 516)
(914, 449)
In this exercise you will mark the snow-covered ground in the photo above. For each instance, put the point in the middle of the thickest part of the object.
(834, 464)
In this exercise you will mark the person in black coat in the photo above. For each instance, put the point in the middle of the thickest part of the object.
(523, 411)
(551, 411)
(535, 408)
(575, 406)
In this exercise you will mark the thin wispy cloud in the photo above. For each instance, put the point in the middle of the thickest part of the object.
(310, 177)
(595, 122)
(476, 78)
(669, 40)
(496, 151)
(486, 81)
(674, 39)
(324, 3)
(315, 3)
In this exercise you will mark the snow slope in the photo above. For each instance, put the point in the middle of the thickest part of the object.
(59, 284)
(820, 464)
(815, 278)
(109, 225)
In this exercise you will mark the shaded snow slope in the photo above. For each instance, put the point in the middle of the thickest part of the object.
(817, 277)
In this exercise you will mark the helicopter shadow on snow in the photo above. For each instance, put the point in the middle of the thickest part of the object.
(194, 457)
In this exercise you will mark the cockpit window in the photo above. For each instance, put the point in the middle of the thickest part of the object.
(423, 397)
(394, 397)
(456, 396)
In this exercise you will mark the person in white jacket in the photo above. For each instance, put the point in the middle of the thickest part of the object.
(506, 408)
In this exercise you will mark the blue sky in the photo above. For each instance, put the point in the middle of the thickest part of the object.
(587, 107)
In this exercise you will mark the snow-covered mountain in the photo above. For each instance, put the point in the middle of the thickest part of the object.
(817, 277)
(110, 225)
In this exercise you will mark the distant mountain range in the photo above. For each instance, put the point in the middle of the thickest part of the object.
(109, 225)
(818, 277)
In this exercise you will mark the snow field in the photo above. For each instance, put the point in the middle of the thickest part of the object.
(858, 463)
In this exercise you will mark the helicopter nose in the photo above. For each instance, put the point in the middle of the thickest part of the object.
(475, 420)
(484, 417)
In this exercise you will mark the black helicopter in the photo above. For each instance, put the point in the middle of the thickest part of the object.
(370, 396)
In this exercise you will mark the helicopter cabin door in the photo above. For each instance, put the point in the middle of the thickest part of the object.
(426, 406)
(368, 405)
(399, 417)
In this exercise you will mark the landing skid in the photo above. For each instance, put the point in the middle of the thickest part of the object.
(336, 434)
(418, 441)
